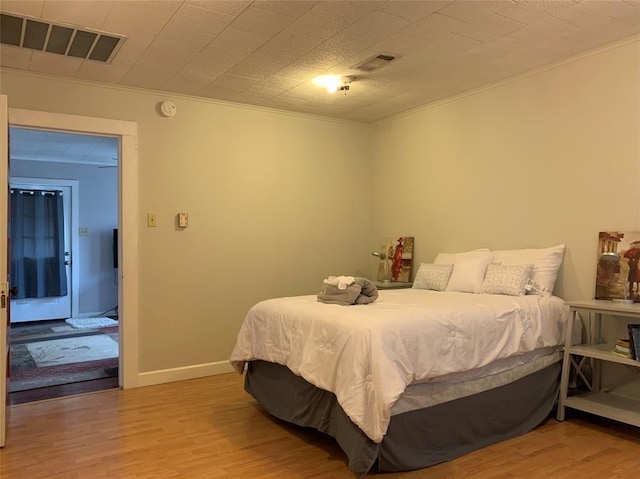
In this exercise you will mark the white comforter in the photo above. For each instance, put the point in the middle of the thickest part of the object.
(368, 354)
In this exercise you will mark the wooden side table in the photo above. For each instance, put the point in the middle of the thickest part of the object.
(622, 402)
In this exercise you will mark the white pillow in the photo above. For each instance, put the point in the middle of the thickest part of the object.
(468, 270)
(511, 280)
(546, 263)
(432, 276)
(449, 258)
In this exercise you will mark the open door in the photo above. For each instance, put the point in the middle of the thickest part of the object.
(4, 292)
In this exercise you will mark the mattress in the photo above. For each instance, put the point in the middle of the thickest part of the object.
(500, 373)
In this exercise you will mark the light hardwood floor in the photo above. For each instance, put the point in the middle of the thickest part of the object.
(210, 428)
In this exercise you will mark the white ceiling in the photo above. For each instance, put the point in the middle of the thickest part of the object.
(266, 52)
(38, 145)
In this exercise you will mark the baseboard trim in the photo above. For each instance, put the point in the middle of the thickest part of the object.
(181, 374)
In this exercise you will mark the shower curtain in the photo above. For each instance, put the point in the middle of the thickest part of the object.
(37, 244)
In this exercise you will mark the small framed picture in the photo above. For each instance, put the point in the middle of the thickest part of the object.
(395, 259)
(617, 274)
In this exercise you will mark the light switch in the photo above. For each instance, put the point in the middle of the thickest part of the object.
(152, 221)
(183, 220)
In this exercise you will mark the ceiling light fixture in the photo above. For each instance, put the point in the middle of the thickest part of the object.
(333, 83)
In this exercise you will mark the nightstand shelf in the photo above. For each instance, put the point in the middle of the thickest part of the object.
(602, 351)
(607, 404)
(621, 403)
(392, 284)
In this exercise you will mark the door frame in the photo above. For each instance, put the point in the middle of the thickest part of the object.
(4, 267)
(73, 231)
(128, 303)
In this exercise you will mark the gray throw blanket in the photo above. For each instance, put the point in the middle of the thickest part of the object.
(362, 291)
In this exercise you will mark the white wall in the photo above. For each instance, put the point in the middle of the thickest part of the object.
(550, 158)
(98, 211)
(276, 203)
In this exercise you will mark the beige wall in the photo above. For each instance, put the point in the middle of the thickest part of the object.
(276, 203)
(550, 158)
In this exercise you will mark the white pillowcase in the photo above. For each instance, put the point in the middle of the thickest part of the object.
(468, 269)
(449, 258)
(546, 263)
(432, 276)
(511, 280)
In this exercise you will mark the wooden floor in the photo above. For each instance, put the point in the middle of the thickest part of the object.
(210, 428)
(70, 389)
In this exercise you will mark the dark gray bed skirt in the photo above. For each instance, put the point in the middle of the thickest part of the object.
(415, 439)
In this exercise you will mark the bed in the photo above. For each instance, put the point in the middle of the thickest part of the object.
(418, 377)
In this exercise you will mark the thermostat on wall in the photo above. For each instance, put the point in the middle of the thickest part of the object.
(167, 108)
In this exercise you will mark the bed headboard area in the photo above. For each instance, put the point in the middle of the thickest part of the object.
(514, 272)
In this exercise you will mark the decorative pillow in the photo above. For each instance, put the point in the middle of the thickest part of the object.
(511, 280)
(468, 271)
(432, 276)
(546, 263)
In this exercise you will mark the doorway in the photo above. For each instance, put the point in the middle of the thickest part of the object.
(62, 339)
(126, 132)
(128, 303)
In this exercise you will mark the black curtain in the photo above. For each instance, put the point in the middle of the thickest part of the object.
(37, 244)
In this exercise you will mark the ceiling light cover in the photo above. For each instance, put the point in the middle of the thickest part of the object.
(333, 83)
(330, 82)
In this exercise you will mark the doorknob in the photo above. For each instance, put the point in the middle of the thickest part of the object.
(13, 291)
(67, 263)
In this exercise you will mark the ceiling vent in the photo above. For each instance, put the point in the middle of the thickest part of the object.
(375, 63)
(38, 34)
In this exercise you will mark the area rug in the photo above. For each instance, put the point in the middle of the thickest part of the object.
(72, 350)
(91, 323)
(35, 378)
(52, 353)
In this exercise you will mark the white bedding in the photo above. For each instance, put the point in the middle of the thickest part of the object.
(368, 354)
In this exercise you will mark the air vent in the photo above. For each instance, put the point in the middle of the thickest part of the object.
(38, 34)
(375, 63)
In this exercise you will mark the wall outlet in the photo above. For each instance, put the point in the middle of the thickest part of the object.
(82, 231)
(152, 220)
(183, 220)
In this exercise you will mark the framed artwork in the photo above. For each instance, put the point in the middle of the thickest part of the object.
(617, 274)
(395, 259)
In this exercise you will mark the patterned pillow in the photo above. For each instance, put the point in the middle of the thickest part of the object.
(433, 276)
(546, 264)
(507, 279)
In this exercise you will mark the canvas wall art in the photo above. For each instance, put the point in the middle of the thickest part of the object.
(617, 275)
(395, 259)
